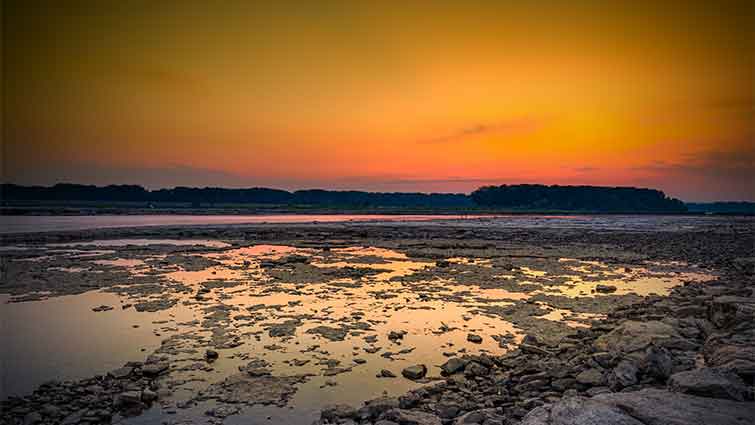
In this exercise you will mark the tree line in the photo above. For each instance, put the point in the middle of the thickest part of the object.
(513, 197)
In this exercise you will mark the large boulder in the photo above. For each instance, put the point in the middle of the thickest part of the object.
(660, 407)
(578, 411)
(633, 336)
(645, 407)
(709, 382)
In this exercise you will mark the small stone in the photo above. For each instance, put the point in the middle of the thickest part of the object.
(605, 289)
(453, 365)
(474, 338)
(415, 372)
(148, 396)
(385, 373)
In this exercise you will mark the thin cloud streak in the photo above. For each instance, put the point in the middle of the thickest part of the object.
(506, 128)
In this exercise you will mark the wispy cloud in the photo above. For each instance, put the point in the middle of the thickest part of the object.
(511, 127)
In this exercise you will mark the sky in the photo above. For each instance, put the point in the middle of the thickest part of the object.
(441, 96)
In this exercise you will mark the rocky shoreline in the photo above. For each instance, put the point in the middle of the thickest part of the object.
(688, 357)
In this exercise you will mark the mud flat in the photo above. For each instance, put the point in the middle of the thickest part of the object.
(432, 323)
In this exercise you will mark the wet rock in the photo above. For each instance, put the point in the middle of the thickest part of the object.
(473, 338)
(385, 373)
(414, 372)
(708, 382)
(396, 335)
(453, 365)
(605, 289)
(251, 390)
(333, 334)
(102, 308)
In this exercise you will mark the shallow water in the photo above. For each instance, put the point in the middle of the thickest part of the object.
(32, 224)
(322, 313)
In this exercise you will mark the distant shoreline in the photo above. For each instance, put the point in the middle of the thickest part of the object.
(112, 210)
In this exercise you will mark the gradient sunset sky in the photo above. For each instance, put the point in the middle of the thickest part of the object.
(386, 95)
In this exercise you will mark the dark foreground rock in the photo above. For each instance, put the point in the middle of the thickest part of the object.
(645, 407)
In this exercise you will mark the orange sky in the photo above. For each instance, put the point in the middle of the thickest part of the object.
(400, 96)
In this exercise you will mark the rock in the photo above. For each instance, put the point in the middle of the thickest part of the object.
(211, 355)
(578, 411)
(412, 417)
(32, 418)
(623, 375)
(121, 373)
(396, 335)
(453, 365)
(527, 348)
(727, 310)
(475, 369)
(50, 410)
(657, 362)
(128, 398)
(735, 356)
(603, 358)
(482, 416)
(415, 372)
(605, 289)
(632, 336)
(102, 308)
(148, 396)
(385, 373)
(334, 412)
(592, 377)
(155, 369)
(376, 407)
(223, 412)
(660, 407)
(473, 338)
(447, 410)
(708, 382)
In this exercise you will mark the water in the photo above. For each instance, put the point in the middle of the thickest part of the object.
(323, 314)
(31, 224)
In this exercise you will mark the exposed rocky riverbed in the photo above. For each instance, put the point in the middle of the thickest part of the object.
(433, 324)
